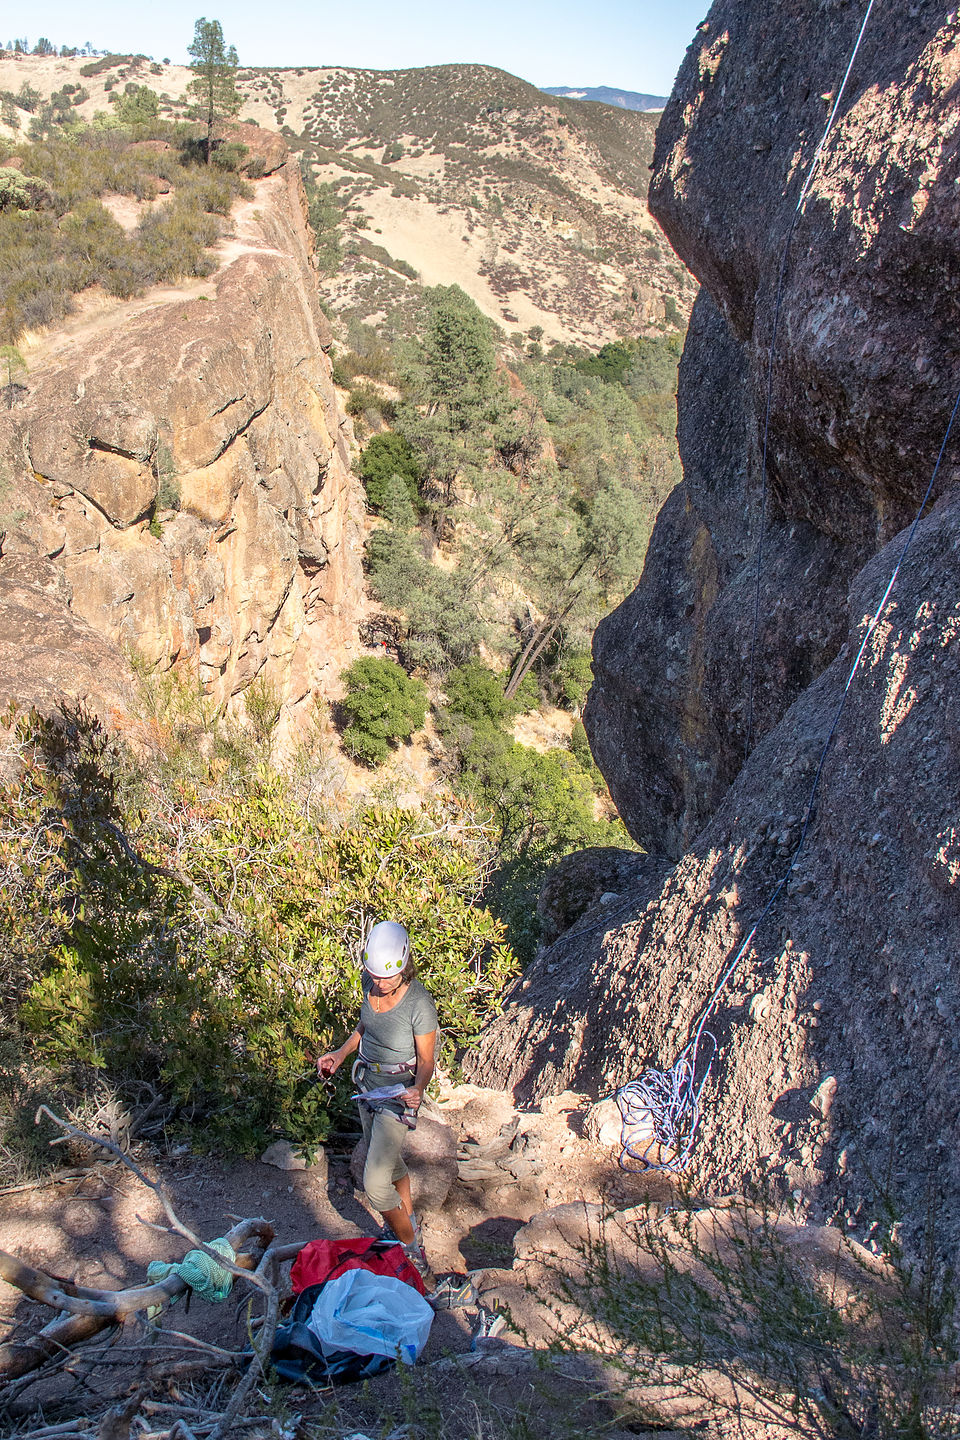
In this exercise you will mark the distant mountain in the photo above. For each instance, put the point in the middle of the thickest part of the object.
(626, 99)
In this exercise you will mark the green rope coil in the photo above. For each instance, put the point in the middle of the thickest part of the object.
(208, 1279)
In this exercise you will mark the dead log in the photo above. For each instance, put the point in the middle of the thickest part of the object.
(91, 1311)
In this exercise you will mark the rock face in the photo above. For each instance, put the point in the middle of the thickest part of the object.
(178, 481)
(866, 355)
(837, 1042)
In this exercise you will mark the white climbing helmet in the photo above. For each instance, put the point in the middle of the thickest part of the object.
(387, 949)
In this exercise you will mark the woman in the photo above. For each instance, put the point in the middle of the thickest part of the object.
(397, 1040)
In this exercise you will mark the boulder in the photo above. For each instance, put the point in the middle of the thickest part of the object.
(836, 1032)
(282, 1156)
(580, 882)
(603, 1124)
(431, 1157)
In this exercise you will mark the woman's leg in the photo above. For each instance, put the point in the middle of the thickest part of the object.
(384, 1173)
(403, 1190)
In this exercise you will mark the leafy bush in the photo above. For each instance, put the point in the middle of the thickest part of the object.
(107, 62)
(475, 694)
(138, 105)
(21, 192)
(66, 240)
(370, 405)
(384, 705)
(386, 455)
(210, 950)
(542, 806)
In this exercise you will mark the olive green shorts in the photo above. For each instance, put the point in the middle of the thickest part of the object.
(385, 1134)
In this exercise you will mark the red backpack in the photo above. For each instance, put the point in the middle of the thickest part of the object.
(323, 1260)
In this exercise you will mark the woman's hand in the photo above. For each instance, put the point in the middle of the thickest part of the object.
(412, 1098)
(329, 1064)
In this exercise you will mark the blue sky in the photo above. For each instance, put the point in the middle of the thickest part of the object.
(629, 44)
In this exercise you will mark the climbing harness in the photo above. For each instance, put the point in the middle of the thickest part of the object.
(379, 1069)
(386, 1097)
(204, 1276)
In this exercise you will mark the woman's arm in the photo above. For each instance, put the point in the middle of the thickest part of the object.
(426, 1046)
(329, 1064)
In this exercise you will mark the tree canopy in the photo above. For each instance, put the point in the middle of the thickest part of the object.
(214, 95)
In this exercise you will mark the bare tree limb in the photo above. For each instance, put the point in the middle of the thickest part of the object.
(108, 1307)
(262, 1347)
(72, 1132)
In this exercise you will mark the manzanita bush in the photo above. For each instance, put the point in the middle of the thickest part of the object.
(209, 945)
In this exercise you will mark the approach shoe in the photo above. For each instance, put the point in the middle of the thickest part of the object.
(487, 1326)
(453, 1292)
(421, 1264)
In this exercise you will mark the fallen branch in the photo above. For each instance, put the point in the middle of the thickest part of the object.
(62, 1177)
(92, 1311)
(72, 1132)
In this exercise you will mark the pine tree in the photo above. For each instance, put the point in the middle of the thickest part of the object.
(214, 66)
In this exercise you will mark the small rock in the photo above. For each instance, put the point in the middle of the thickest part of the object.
(824, 1096)
(603, 1124)
(282, 1156)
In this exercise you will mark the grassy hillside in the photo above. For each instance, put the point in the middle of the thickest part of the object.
(453, 174)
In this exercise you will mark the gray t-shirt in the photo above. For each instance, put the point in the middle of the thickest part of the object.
(388, 1037)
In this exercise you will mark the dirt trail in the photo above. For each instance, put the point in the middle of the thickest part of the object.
(98, 313)
(92, 1229)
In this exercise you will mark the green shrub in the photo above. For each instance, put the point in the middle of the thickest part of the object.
(138, 105)
(384, 705)
(761, 1330)
(475, 693)
(580, 745)
(542, 806)
(386, 455)
(567, 676)
(43, 263)
(21, 192)
(209, 950)
(369, 404)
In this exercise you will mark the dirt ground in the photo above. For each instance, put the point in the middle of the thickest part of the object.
(97, 1230)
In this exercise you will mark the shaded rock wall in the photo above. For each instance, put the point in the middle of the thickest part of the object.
(838, 1052)
(180, 469)
(838, 1042)
(867, 356)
